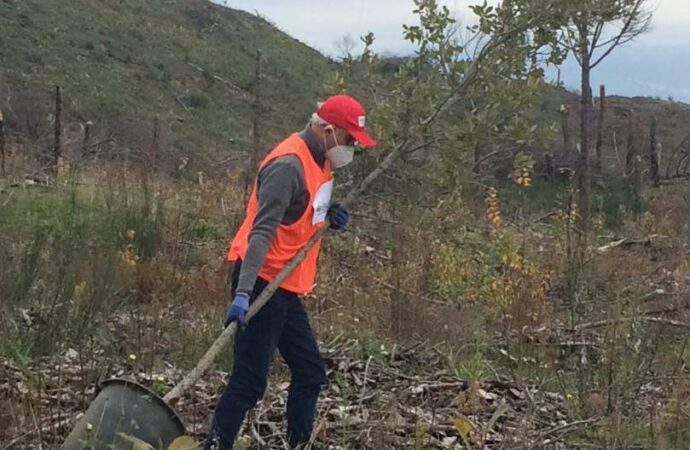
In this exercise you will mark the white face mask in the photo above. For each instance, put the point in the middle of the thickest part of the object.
(340, 155)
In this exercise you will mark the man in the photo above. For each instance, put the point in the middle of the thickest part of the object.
(290, 202)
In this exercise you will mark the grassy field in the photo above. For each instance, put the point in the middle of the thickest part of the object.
(128, 273)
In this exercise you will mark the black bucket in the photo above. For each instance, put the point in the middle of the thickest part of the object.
(125, 409)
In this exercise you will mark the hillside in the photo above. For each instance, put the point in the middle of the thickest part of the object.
(673, 124)
(121, 63)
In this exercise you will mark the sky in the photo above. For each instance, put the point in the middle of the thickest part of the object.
(656, 64)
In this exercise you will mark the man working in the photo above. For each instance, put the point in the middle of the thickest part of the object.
(290, 202)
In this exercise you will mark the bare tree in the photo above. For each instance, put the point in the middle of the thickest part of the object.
(256, 126)
(565, 128)
(57, 142)
(631, 150)
(345, 46)
(87, 137)
(654, 153)
(600, 125)
(2, 145)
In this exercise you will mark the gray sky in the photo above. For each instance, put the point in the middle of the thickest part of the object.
(656, 64)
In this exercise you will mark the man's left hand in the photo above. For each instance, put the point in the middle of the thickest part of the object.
(339, 216)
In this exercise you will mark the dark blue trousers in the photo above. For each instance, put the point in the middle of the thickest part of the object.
(281, 324)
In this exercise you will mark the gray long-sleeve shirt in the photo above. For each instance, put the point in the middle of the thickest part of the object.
(282, 199)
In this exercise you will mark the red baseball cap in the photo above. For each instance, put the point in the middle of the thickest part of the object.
(347, 113)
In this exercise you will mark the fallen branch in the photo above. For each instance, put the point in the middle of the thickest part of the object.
(568, 427)
(660, 320)
(629, 242)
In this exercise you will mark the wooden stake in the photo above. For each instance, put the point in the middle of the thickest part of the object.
(256, 134)
(637, 185)
(565, 128)
(85, 153)
(57, 144)
(630, 148)
(600, 125)
(550, 170)
(2, 145)
(654, 153)
(155, 142)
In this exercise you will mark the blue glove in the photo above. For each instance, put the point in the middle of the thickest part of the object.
(339, 216)
(238, 310)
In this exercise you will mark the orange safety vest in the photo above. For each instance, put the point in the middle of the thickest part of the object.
(290, 239)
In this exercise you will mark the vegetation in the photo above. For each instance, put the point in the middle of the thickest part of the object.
(122, 63)
(462, 248)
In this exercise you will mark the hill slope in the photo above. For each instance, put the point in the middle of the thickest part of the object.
(122, 62)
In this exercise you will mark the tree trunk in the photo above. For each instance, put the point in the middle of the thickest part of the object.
(57, 143)
(477, 158)
(600, 125)
(637, 185)
(583, 175)
(256, 133)
(2, 145)
(630, 148)
(85, 153)
(549, 169)
(565, 127)
(155, 143)
(654, 156)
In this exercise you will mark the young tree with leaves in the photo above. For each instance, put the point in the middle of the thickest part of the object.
(591, 30)
(465, 90)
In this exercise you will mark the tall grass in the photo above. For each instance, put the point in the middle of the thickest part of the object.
(94, 262)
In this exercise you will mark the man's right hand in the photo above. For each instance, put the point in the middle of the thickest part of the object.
(238, 310)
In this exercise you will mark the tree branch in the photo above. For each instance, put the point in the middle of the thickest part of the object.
(635, 24)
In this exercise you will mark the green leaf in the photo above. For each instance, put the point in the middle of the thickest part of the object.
(500, 412)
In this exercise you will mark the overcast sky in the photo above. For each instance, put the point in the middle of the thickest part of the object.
(656, 64)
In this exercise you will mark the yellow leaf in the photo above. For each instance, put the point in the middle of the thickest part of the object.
(184, 443)
(464, 426)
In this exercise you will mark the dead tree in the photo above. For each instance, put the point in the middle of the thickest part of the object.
(155, 143)
(637, 185)
(2, 145)
(630, 147)
(600, 126)
(85, 151)
(256, 124)
(592, 31)
(678, 165)
(57, 143)
(565, 128)
(549, 167)
(654, 154)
